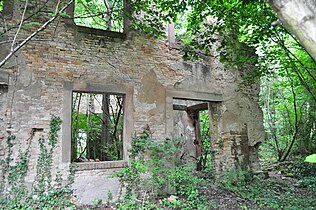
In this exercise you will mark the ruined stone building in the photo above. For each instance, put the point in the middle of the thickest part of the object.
(157, 90)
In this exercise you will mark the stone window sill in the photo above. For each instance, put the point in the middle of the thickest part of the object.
(100, 165)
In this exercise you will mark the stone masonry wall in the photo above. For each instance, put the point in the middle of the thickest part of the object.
(64, 53)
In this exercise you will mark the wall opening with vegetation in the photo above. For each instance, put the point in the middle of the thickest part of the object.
(100, 14)
(97, 127)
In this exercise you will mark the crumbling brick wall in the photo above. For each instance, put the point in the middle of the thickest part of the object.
(65, 56)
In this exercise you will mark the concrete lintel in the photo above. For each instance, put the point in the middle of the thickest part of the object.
(180, 107)
(193, 95)
(95, 88)
(101, 32)
(197, 107)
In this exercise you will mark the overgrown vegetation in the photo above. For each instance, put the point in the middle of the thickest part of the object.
(97, 127)
(272, 194)
(247, 36)
(206, 141)
(296, 189)
(287, 96)
(102, 14)
(48, 190)
(154, 174)
(154, 181)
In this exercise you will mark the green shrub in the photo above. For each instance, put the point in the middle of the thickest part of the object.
(154, 175)
(309, 183)
(273, 193)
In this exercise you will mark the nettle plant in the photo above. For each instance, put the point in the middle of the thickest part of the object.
(48, 191)
(155, 173)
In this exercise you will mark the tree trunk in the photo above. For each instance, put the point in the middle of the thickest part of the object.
(105, 140)
(299, 17)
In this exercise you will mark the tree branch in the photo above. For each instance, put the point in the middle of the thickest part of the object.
(19, 28)
(32, 15)
(34, 34)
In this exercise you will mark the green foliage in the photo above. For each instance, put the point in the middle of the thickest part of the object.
(97, 136)
(47, 191)
(205, 140)
(311, 158)
(309, 183)
(1, 5)
(238, 26)
(97, 202)
(109, 198)
(304, 172)
(151, 16)
(233, 178)
(140, 144)
(288, 97)
(269, 193)
(153, 173)
(101, 14)
(247, 36)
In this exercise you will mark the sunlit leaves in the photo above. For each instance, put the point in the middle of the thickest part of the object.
(1, 5)
(311, 158)
(102, 14)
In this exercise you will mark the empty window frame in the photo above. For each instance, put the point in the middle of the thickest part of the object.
(100, 14)
(97, 126)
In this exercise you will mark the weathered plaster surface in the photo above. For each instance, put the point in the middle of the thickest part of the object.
(153, 73)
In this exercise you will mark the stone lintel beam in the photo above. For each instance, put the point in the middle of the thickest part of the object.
(193, 95)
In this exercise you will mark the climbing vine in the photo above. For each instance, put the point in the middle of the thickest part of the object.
(48, 190)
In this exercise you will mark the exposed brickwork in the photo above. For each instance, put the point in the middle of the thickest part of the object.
(146, 65)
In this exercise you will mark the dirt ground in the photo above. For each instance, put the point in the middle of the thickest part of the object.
(227, 200)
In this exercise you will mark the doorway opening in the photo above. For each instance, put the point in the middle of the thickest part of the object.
(192, 124)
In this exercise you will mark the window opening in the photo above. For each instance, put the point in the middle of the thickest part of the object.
(97, 127)
(192, 124)
(100, 14)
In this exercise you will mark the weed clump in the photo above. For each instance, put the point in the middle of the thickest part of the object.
(154, 180)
